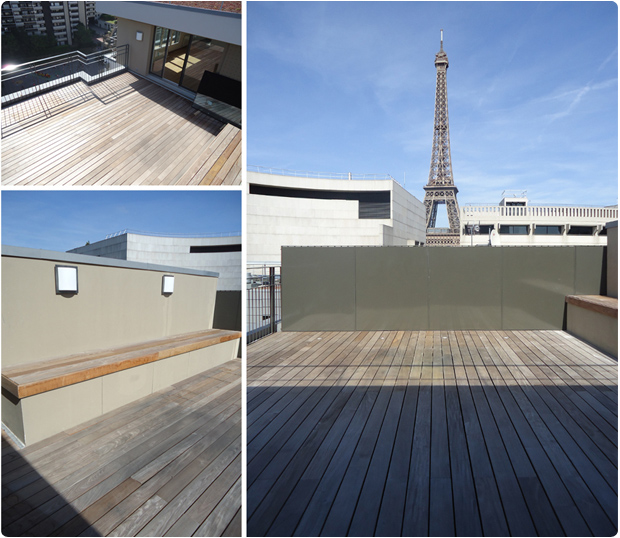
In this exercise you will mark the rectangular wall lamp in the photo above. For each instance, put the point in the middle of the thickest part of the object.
(66, 279)
(139, 36)
(167, 285)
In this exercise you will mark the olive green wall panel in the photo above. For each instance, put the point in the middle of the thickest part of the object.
(391, 289)
(436, 288)
(590, 271)
(536, 281)
(318, 289)
(465, 288)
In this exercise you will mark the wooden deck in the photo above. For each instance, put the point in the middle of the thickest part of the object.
(166, 465)
(463, 433)
(121, 131)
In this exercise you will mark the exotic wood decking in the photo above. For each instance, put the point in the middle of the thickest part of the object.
(122, 131)
(169, 464)
(431, 433)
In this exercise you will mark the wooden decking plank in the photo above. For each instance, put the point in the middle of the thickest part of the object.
(169, 515)
(390, 517)
(98, 136)
(209, 448)
(282, 403)
(526, 418)
(59, 515)
(303, 489)
(369, 503)
(197, 513)
(416, 513)
(508, 410)
(320, 457)
(293, 472)
(467, 520)
(221, 517)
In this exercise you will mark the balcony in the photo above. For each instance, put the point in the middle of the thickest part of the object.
(85, 130)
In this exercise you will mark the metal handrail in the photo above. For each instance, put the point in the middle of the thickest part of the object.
(20, 81)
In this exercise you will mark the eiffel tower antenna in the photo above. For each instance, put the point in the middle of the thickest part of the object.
(440, 188)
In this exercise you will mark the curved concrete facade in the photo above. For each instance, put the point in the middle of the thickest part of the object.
(274, 221)
(173, 251)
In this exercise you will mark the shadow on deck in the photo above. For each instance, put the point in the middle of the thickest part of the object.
(464, 433)
(167, 464)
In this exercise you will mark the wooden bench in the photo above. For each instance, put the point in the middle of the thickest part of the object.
(38, 377)
(594, 319)
(607, 306)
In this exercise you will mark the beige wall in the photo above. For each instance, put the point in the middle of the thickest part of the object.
(115, 306)
(139, 51)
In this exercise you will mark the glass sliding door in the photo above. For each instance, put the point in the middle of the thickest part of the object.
(176, 55)
(183, 58)
(204, 55)
(160, 43)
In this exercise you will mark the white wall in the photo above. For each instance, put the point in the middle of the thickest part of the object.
(174, 252)
(275, 221)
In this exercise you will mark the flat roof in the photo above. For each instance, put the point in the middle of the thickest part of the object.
(221, 25)
(52, 255)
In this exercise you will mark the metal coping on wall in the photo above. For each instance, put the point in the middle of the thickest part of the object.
(51, 255)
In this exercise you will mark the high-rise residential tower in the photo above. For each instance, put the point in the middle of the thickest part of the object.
(57, 19)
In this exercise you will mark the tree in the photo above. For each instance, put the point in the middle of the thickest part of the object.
(82, 36)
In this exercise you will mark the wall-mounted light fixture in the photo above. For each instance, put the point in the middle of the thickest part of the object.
(167, 284)
(66, 279)
(139, 36)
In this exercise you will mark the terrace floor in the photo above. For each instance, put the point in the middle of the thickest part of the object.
(464, 433)
(121, 131)
(166, 465)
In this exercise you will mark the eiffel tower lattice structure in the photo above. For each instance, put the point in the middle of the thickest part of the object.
(440, 188)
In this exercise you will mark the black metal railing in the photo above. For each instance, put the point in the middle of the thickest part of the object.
(264, 302)
(26, 80)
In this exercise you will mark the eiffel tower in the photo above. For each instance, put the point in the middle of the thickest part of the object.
(440, 188)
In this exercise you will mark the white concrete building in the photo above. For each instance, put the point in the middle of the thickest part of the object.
(515, 222)
(310, 211)
(217, 254)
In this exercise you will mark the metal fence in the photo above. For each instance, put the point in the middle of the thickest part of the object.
(264, 302)
(26, 80)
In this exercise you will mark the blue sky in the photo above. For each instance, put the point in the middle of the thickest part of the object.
(349, 87)
(62, 220)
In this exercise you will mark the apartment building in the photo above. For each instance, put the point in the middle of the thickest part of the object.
(57, 19)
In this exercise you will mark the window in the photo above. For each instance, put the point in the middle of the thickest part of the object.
(509, 229)
(548, 230)
(580, 230)
(201, 249)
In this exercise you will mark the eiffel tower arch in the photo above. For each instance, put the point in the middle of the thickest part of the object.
(440, 188)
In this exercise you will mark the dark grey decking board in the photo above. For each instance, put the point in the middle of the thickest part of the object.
(169, 459)
(428, 433)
